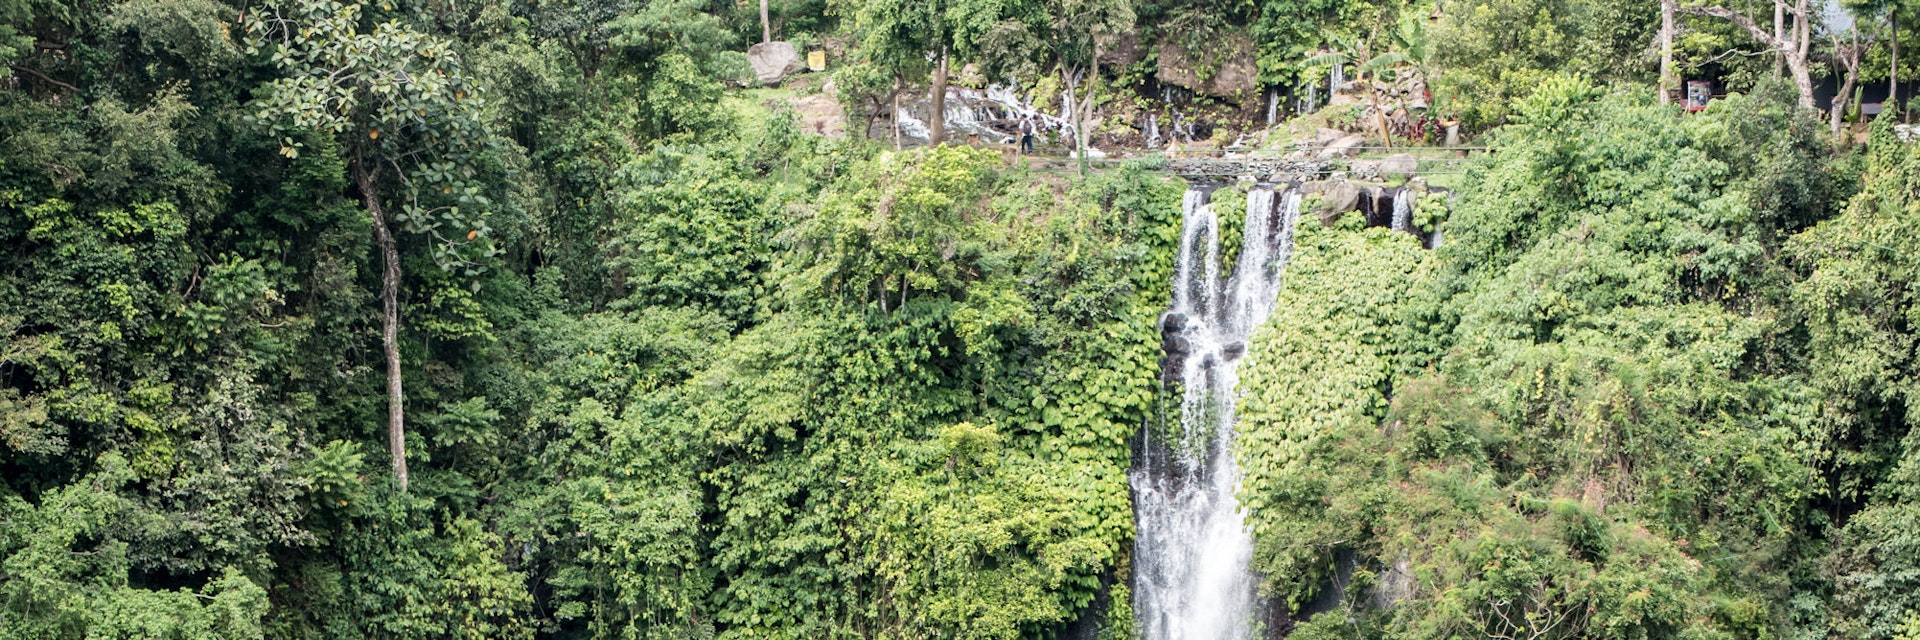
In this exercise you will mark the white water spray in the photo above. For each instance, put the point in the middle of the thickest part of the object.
(1193, 580)
(1402, 211)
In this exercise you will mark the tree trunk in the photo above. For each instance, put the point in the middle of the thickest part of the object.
(390, 320)
(1780, 34)
(1803, 17)
(1802, 79)
(937, 120)
(1840, 103)
(1066, 93)
(1798, 64)
(766, 26)
(1666, 52)
(1074, 99)
(1849, 58)
(1085, 111)
(895, 116)
(1379, 110)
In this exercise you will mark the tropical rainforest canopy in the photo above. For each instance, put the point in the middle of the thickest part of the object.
(545, 318)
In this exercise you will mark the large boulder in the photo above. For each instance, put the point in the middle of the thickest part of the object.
(1353, 92)
(1340, 148)
(1398, 165)
(772, 61)
(1335, 197)
(1233, 73)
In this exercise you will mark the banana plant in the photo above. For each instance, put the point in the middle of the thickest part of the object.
(1409, 51)
(1367, 69)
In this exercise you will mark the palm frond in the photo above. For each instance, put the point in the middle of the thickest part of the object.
(1327, 59)
(1385, 60)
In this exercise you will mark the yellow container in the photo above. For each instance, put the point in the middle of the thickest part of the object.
(816, 61)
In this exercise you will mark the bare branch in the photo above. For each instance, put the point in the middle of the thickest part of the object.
(1738, 20)
(45, 77)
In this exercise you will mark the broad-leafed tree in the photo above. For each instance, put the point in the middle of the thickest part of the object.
(915, 38)
(1793, 44)
(409, 120)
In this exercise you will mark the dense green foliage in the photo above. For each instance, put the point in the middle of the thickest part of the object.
(1623, 400)
(674, 370)
(677, 369)
(1859, 310)
(1495, 51)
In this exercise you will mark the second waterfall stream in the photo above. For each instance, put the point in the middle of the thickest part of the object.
(1193, 579)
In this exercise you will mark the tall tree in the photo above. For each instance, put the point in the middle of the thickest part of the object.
(1847, 49)
(1078, 32)
(407, 117)
(1870, 11)
(915, 37)
(1064, 37)
(1793, 46)
(1893, 9)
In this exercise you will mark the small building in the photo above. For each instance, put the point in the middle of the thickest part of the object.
(1699, 92)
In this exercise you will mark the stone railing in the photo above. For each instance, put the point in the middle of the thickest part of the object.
(1270, 170)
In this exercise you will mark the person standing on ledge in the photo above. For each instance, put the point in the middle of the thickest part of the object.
(1026, 134)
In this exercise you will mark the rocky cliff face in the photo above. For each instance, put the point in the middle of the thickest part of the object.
(1233, 74)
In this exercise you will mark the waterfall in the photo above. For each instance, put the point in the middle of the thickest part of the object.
(910, 126)
(1193, 550)
(970, 111)
(1402, 210)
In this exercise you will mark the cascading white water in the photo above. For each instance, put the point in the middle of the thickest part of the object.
(910, 126)
(970, 111)
(1193, 550)
(1402, 211)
